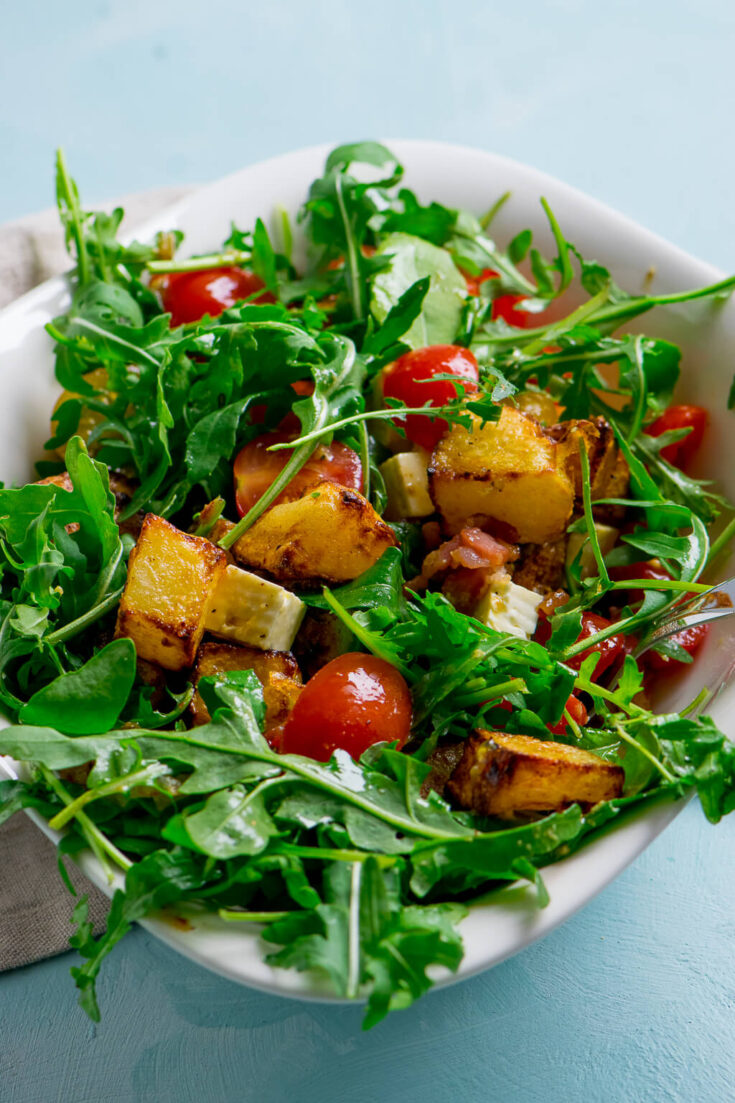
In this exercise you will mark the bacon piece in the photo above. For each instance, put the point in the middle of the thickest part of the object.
(469, 561)
(471, 548)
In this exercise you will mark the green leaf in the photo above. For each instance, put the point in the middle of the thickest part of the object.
(413, 259)
(88, 700)
(231, 824)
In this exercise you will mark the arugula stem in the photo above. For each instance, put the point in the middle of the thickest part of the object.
(74, 627)
(119, 785)
(292, 468)
(364, 459)
(98, 842)
(353, 263)
(489, 215)
(366, 415)
(67, 198)
(666, 774)
(232, 258)
(583, 313)
(589, 519)
(631, 308)
(385, 861)
(231, 916)
(302, 768)
(366, 638)
(721, 542)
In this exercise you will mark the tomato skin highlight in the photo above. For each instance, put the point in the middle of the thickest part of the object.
(188, 296)
(353, 702)
(410, 379)
(681, 452)
(255, 469)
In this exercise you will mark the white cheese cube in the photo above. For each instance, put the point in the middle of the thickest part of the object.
(607, 537)
(407, 486)
(509, 608)
(254, 612)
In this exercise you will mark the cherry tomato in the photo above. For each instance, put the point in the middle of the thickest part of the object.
(188, 296)
(651, 569)
(694, 418)
(256, 468)
(609, 650)
(352, 702)
(576, 710)
(290, 422)
(505, 306)
(691, 639)
(410, 379)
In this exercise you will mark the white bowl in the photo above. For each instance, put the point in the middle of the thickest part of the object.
(458, 177)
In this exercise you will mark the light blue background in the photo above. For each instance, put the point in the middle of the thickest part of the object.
(631, 101)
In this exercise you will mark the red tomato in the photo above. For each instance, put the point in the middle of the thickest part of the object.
(410, 380)
(351, 703)
(505, 305)
(609, 650)
(256, 468)
(694, 418)
(691, 639)
(188, 296)
(651, 569)
(576, 710)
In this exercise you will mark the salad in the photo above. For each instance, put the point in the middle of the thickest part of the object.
(329, 609)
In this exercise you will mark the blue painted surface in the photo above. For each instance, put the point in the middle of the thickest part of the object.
(633, 999)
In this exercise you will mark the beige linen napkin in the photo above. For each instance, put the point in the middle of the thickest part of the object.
(35, 905)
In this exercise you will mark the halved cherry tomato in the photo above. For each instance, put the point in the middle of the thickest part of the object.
(694, 418)
(410, 379)
(576, 710)
(691, 639)
(352, 702)
(290, 422)
(505, 306)
(609, 650)
(188, 296)
(256, 468)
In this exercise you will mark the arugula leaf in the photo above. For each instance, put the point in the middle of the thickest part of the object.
(88, 700)
(413, 259)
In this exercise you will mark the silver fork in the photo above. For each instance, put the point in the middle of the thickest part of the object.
(713, 604)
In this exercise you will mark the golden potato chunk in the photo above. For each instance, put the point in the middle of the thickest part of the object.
(506, 471)
(509, 775)
(330, 534)
(168, 593)
(277, 671)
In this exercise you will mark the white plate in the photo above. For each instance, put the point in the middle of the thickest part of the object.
(458, 177)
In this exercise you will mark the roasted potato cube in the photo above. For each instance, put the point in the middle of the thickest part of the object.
(506, 471)
(171, 582)
(277, 671)
(253, 611)
(507, 775)
(330, 534)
